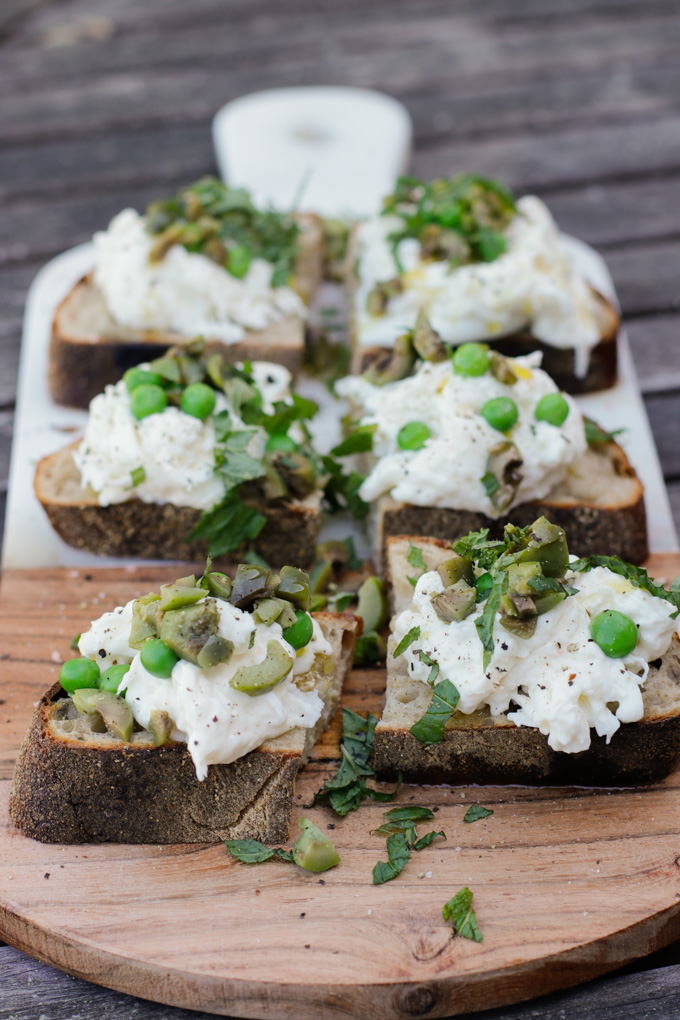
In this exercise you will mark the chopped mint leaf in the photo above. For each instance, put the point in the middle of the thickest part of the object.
(485, 622)
(407, 640)
(250, 851)
(430, 728)
(490, 483)
(428, 839)
(475, 812)
(138, 475)
(347, 789)
(398, 857)
(228, 525)
(595, 434)
(459, 911)
(434, 672)
(637, 576)
(359, 440)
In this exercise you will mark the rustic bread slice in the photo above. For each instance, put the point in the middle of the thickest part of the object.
(88, 349)
(159, 531)
(558, 362)
(600, 505)
(73, 785)
(481, 748)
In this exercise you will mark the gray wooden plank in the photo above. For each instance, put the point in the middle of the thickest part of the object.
(30, 989)
(664, 416)
(646, 276)
(655, 341)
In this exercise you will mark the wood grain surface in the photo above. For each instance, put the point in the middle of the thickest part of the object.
(568, 883)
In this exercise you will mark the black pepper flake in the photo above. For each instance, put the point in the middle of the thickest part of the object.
(331, 825)
(322, 881)
(504, 646)
(87, 577)
(47, 874)
(308, 946)
(303, 914)
(102, 653)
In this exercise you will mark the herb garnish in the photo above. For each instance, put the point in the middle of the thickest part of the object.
(596, 435)
(459, 911)
(400, 828)
(637, 576)
(250, 851)
(347, 788)
(475, 812)
(485, 622)
(407, 640)
(416, 559)
(358, 440)
(430, 728)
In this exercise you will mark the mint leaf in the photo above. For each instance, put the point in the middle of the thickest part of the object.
(428, 839)
(434, 672)
(490, 483)
(430, 729)
(407, 640)
(637, 576)
(475, 812)
(347, 789)
(415, 557)
(485, 622)
(250, 851)
(228, 525)
(595, 434)
(359, 440)
(341, 491)
(138, 475)
(459, 911)
(398, 857)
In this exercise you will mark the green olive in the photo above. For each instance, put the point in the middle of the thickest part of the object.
(615, 633)
(413, 435)
(471, 359)
(198, 400)
(299, 633)
(77, 673)
(500, 412)
(552, 408)
(110, 679)
(135, 377)
(148, 399)
(158, 658)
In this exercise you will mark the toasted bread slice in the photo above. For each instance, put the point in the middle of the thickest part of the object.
(600, 505)
(88, 349)
(159, 531)
(73, 785)
(481, 748)
(558, 362)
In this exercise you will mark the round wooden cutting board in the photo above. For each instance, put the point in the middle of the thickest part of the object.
(567, 883)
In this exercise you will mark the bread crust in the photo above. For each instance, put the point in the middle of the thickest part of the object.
(95, 791)
(159, 531)
(479, 748)
(590, 526)
(88, 349)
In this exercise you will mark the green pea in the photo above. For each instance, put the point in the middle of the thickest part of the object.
(483, 584)
(552, 408)
(77, 673)
(198, 400)
(615, 633)
(299, 633)
(280, 443)
(158, 658)
(111, 678)
(239, 261)
(471, 359)
(148, 399)
(413, 435)
(135, 377)
(500, 412)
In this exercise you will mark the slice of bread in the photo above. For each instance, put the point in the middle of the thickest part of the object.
(600, 505)
(486, 749)
(73, 785)
(159, 531)
(558, 362)
(88, 349)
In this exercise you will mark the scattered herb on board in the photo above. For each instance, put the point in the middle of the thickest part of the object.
(459, 911)
(313, 851)
(250, 851)
(430, 728)
(475, 812)
(402, 838)
(348, 787)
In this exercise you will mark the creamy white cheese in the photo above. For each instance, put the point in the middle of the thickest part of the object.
(562, 681)
(448, 470)
(218, 723)
(175, 450)
(183, 292)
(534, 283)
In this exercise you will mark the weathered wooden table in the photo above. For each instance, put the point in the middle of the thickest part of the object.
(106, 104)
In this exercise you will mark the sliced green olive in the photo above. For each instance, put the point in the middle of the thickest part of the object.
(455, 603)
(372, 604)
(320, 576)
(454, 569)
(268, 610)
(427, 340)
(300, 633)
(186, 632)
(144, 619)
(547, 544)
(503, 369)
(215, 651)
(78, 673)
(294, 586)
(251, 582)
(314, 850)
(265, 675)
(522, 628)
(160, 727)
(115, 712)
(176, 596)
(395, 365)
(503, 474)
(219, 584)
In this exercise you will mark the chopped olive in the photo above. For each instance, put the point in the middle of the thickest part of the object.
(296, 473)
(334, 551)
(265, 675)
(454, 603)
(144, 619)
(299, 634)
(320, 576)
(219, 584)
(78, 673)
(503, 369)
(251, 582)
(503, 466)
(547, 544)
(186, 632)
(294, 586)
(110, 679)
(515, 604)
(427, 341)
(115, 712)
(314, 850)
(160, 727)
(268, 610)
(520, 627)
(158, 658)
(216, 650)
(175, 596)
(397, 364)
(372, 604)
(454, 569)
(380, 294)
